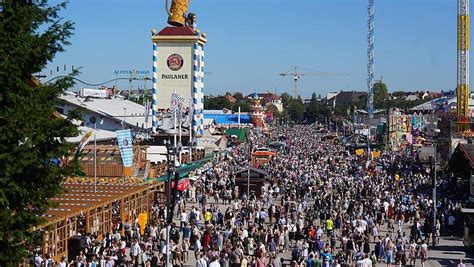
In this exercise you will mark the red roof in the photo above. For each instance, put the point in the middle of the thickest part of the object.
(264, 153)
(468, 151)
(177, 31)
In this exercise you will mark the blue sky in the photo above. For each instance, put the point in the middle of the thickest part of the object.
(251, 41)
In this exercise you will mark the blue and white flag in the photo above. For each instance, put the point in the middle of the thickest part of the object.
(124, 139)
(176, 105)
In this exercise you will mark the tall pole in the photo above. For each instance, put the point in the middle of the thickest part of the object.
(370, 57)
(248, 171)
(462, 89)
(180, 133)
(191, 125)
(296, 77)
(95, 157)
(238, 118)
(433, 234)
(369, 153)
(175, 136)
(154, 89)
(168, 200)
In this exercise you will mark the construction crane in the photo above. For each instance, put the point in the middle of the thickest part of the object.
(462, 89)
(296, 74)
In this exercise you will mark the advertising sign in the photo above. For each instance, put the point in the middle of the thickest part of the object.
(124, 139)
(93, 92)
(175, 65)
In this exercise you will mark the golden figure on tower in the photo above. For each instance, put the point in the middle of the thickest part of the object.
(177, 13)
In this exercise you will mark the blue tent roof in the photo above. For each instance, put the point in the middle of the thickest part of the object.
(229, 118)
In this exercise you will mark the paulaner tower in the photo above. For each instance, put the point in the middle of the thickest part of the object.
(178, 65)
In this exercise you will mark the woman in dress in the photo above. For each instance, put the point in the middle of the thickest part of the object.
(423, 252)
(437, 231)
(389, 249)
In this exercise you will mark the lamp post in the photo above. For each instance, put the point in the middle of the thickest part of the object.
(169, 149)
(435, 145)
(95, 156)
(248, 171)
(171, 200)
(434, 197)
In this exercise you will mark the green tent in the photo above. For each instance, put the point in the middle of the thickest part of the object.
(240, 133)
(184, 169)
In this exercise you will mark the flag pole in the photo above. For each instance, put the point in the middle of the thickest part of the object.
(175, 122)
(180, 122)
(191, 125)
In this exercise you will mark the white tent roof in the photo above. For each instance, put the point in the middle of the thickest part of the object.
(101, 135)
(115, 108)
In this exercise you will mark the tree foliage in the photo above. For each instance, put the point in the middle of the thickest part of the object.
(245, 106)
(296, 109)
(316, 110)
(239, 96)
(218, 102)
(32, 139)
(285, 99)
(221, 102)
(380, 94)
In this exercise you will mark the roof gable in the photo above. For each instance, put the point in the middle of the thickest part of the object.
(171, 31)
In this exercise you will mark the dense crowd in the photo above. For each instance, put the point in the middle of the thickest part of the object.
(320, 205)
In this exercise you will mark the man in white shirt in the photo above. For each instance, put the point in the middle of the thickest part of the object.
(38, 260)
(215, 263)
(184, 218)
(135, 251)
(201, 262)
(63, 262)
(367, 262)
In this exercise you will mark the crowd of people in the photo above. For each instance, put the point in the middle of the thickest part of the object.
(321, 205)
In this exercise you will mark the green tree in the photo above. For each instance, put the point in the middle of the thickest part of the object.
(32, 139)
(239, 96)
(245, 106)
(380, 95)
(296, 110)
(285, 99)
(218, 102)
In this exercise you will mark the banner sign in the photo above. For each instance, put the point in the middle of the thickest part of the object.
(93, 92)
(124, 139)
(147, 111)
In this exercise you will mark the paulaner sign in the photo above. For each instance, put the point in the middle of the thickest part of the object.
(174, 76)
